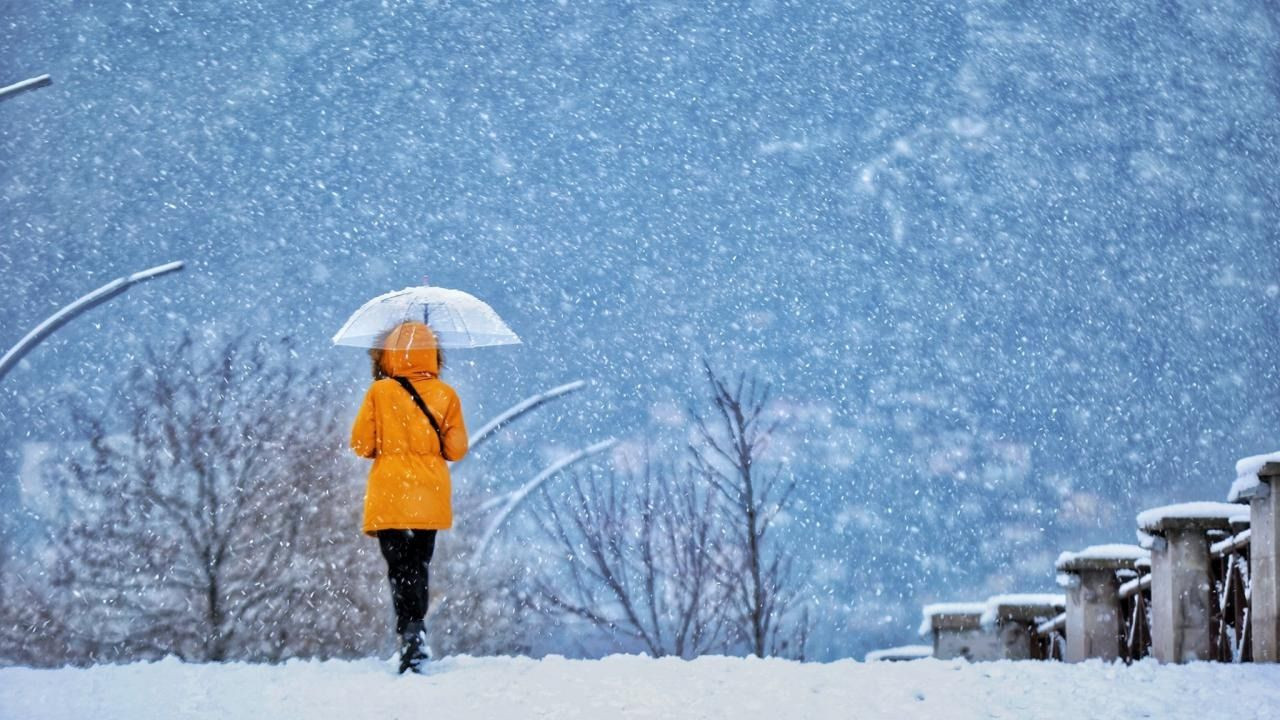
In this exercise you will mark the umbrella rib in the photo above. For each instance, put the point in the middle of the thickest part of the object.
(466, 329)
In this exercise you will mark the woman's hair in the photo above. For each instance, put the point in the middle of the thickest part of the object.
(375, 361)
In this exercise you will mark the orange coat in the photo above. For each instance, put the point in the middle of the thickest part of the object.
(409, 482)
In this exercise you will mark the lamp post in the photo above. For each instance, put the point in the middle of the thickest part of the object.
(30, 84)
(66, 314)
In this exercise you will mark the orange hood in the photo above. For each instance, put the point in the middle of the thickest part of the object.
(410, 351)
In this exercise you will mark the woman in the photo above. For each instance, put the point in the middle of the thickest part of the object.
(410, 423)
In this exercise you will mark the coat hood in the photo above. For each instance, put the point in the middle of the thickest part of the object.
(410, 351)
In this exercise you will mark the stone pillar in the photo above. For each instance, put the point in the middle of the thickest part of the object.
(1181, 579)
(1093, 600)
(1015, 639)
(1013, 620)
(1264, 564)
(957, 632)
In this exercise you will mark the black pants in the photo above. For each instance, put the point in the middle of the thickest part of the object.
(408, 553)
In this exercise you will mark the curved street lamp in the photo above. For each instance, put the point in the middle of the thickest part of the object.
(512, 501)
(66, 314)
(31, 84)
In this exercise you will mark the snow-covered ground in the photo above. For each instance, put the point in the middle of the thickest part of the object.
(638, 687)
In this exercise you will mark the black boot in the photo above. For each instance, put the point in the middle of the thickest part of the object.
(413, 648)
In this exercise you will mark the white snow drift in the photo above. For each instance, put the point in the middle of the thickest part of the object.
(639, 687)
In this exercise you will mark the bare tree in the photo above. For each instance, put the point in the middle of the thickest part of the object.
(31, 631)
(733, 435)
(637, 560)
(211, 514)
(684, 562)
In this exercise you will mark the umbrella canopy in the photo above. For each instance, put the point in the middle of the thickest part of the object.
(459, 319)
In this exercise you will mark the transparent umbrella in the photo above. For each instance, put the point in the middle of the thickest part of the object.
(459, 319)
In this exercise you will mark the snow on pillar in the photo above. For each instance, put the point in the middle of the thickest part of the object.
(901, 653)
(1181, 576)
(1093, 599)
(1264, 561)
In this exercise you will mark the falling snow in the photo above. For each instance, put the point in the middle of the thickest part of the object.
(1010, 269)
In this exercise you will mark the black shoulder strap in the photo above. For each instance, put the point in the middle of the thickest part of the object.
(417, 400)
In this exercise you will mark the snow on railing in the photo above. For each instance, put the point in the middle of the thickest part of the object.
(1054, 624)
(1140, 583)
(1050, 639)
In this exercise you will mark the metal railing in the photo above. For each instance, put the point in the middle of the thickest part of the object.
(1135, 617)
(1229, 626)
(1049, 642)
